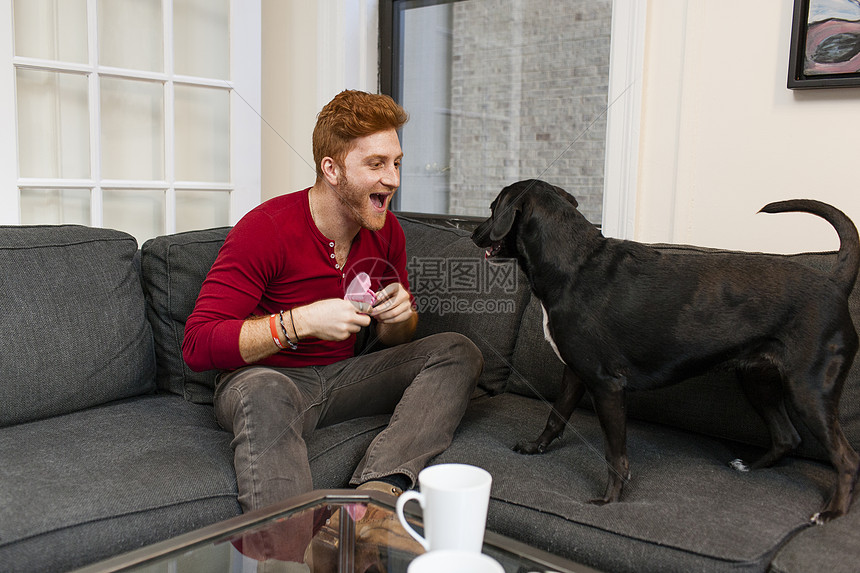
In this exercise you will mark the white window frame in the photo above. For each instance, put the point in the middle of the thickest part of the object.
(624, 118)
(245, 122)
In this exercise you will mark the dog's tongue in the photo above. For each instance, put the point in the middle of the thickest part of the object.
(359, 290)
(492, 251)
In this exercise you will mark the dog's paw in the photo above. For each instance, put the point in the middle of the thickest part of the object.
(739, 465)
(823, 517)
(529, 448)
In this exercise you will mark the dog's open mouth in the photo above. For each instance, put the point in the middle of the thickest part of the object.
(493, 250)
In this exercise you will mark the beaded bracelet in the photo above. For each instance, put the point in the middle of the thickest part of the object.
(292, 344)
(293, 322)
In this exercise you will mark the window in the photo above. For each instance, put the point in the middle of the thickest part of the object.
(498, 92)
(133, 114)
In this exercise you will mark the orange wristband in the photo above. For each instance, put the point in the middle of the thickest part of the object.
(273, 328)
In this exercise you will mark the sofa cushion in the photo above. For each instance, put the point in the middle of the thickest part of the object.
(110, 479)
(81, 487)
(833, 547)
(713, 404)
(456, 290)
(73, 320)
(684, 509)
(174, 267)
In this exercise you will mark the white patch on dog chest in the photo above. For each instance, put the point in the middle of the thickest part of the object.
(547, 335)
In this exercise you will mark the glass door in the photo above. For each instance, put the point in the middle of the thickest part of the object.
(129, 114)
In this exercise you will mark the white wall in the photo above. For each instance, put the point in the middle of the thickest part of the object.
(721, 135)
(289, 95)
(312, 50)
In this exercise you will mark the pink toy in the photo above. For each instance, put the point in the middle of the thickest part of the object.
(359, 290)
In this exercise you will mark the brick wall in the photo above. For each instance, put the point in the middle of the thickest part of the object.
(528, 99)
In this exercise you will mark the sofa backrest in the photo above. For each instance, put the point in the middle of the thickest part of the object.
(174, 267)
(712, 404)
(72, 318)
(455, 289)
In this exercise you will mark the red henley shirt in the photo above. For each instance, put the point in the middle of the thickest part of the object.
(275, 259)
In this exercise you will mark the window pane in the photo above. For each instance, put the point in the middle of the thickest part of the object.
(132, 129)
(138, 212)
(497, 96)
(202, 209)
(53, 124)
(55, 206)
(131, 34)
(51, 29)
(202, 134)
(426, 94)
(201, 38)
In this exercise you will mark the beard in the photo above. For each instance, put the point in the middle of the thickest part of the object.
(356, 200)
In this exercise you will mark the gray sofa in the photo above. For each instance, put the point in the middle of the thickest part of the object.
(108, 441)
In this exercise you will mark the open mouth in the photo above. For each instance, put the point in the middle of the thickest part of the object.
(494, 250)
(378, 200)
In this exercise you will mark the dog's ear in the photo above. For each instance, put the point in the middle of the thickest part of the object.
(570, 198)
(504, 214)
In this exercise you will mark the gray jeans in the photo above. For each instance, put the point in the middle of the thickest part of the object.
(425, 385)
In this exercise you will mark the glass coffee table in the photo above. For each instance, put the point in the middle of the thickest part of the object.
(275, 539)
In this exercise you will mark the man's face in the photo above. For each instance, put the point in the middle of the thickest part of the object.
(369, 176)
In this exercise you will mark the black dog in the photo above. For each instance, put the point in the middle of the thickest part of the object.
(624, 316)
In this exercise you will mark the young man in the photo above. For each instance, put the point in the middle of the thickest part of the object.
(272, 315)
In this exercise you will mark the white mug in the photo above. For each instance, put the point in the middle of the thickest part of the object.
(449, 561)
(454, 499)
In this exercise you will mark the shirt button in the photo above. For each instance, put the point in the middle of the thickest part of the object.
(332, 255)
(337, 266)
(331, 244)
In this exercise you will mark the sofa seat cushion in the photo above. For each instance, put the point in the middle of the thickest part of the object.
(833, 547)
(81, 487)
(72, 314)
(684, 508)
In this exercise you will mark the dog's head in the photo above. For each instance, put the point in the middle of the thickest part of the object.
(498, 234)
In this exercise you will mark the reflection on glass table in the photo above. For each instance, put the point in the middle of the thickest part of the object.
(278, 539)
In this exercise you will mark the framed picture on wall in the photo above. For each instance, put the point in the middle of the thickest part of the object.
(825, 44)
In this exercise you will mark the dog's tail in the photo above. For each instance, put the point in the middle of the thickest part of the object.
(848, 259)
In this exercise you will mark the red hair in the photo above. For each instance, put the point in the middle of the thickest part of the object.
(350, 115)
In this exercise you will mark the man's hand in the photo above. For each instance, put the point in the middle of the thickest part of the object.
(331, 319)
(392, 305)
(394, 314)
(335, 319)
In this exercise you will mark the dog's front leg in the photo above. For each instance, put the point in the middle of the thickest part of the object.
(610, 404)
(571, 393)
